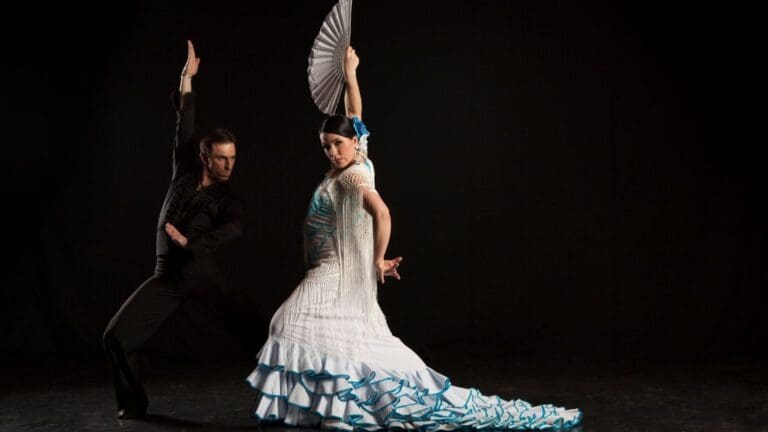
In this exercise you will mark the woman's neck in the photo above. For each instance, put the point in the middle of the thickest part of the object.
(334, 172)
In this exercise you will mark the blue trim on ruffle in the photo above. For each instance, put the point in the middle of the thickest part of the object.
(347, 394)
(368, 381)
(353, 420)
(429, 413)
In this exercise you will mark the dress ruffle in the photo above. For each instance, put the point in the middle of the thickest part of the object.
(300, 386)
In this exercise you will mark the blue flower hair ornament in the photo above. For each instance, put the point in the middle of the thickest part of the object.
(362, 134)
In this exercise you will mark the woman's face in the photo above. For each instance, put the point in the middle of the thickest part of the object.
(339, 149)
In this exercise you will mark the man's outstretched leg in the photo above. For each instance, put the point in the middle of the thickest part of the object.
(136, 321)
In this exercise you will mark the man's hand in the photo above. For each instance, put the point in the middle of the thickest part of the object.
(190, 70)
(175, 235)
(193, 61)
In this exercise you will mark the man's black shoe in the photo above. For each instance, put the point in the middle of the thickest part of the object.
(126, 414)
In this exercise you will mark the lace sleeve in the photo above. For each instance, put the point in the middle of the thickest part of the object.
(358, 177)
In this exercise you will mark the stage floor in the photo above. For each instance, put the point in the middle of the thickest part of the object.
(210, 394)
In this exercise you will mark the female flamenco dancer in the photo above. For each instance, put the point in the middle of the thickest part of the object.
(330, 359)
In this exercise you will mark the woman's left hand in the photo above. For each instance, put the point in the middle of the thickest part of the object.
(388, 267)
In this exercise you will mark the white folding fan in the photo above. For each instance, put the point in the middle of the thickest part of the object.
(326, 60)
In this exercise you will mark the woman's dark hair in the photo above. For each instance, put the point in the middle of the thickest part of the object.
(216, 136)
(340, 125)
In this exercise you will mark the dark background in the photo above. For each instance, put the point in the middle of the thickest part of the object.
(577, 180)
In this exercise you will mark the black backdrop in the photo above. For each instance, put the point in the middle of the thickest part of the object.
(572, 179)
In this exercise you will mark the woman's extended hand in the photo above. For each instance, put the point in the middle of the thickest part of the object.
(388, 267)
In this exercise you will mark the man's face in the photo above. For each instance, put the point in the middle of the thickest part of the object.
(220, 162)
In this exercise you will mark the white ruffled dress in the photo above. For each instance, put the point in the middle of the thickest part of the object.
(331, 360)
